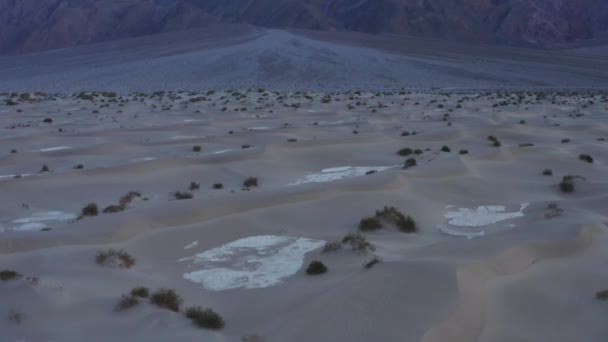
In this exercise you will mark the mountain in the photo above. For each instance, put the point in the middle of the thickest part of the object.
(32, 25)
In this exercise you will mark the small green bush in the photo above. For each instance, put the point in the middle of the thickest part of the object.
(547, 172)
(45, 168)
(567, 184)
(250, 182)
(445, 149)
(182, 195)
(166, 298)
(404, 152)
(316, 267)
(587, 158)
(205, 318)
(114, 208)
(89, 210)
(196, 148)
(218, 186)
(369, 223)
(410, 162)
(6, 275)
(141, 292)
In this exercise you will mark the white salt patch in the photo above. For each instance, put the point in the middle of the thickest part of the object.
(58, 148)
(193, 244)
(222, 151)
(482, 216)
(337, 173)
(259, 128)
(37, 221)
(329, 123)
(193, 120)
(459, 233)
(144, 159)
(250, 263)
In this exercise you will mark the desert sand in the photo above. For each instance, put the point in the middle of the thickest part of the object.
(499, 252)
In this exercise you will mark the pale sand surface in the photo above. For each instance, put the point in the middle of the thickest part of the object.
(519, 276)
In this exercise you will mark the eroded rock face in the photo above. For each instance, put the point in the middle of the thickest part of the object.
(32, 25)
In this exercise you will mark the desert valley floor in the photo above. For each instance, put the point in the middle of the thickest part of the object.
(227, 196)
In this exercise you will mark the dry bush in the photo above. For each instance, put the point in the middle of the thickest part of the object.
(114, 258)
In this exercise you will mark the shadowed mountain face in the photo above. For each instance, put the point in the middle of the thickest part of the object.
(31, 25)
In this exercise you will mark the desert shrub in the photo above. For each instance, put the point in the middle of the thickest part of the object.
(369, 223)
(370, 172)
(194, 186)
(129, 197)
(6, 275)
(332, 246)
(410, 162)
(245, 146)
(89, 210)
(404, 152)
(13, 151)
(374, 260)
(205, 318)
(79, 167)
(565, 141)
(141, 292)
(166, 298)
(601, 295)
(196, 148)
(391, 214)
(567, 184)
(218, 186)
(495, 141)
(114, 258)
(316, 267)
(47, 120)
(553, 211)
(182, 195)
(463, 152)
(292, 140)
(114, 208)
(445, 149)
(405, 133)
(251, 181)
(418, 151)
(358, 243)
(586, 157)
(126, 302)
(15, 316)
(45, 168)
(547, 172)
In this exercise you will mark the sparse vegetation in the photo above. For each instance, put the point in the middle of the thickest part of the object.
(373, 261)
(6, 275)
(547, 172)
(567, 184)
(410, 162)
(218, 186)
(45, 168)
(404, 152)
(332, 246)
(316, 267)
(166, 298)
(601, 295)
(205, 318)
(89, 210)
(370, 223)
(114, 208)
(141, 292)
(553, 210)
(126, 302)
(444, 148)
(250, 182)
(463, 152)
(118, 258)
(182, 195)
(196, 148)
(358, 243)
(587, 158)
(194, 186)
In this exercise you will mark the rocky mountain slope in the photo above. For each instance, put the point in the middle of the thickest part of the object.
(33, 25)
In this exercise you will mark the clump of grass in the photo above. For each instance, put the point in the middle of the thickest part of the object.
(196, 148)
(495, 141)
(404, 152)
(45, 168)
(114, 208)
(194, 186)
(126, 302)
(182, 195)
(547, 172)
(567, 184)
(205, 318)
(369, 224)
(444, 148)
(166, 298)
(250, 182)
(6, 275)
(129, 197)
(405, 223)
(218, 186)
(316, 267)
(410, 162)
(587, 158)
(141, 292)
(601, 295)
(90, 209)
(358, 243)
(114, 258)
(373, 261)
